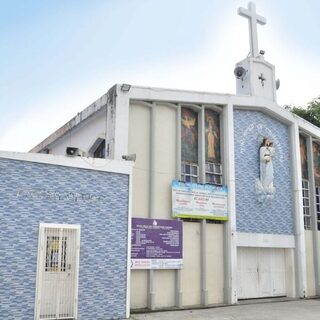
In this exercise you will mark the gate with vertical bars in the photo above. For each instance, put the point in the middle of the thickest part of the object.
(57, 272)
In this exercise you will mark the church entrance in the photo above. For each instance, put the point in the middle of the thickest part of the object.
(57, 278)
(261, 273)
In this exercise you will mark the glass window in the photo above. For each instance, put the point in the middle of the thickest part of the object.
(190, 131)
(213, 153)
(189, 145)
(306, 205)
(100, 152)
(304, 157)
(318, 206)
(316, 163)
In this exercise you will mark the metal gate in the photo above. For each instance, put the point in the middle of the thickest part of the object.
(261, 273)
(57, 272)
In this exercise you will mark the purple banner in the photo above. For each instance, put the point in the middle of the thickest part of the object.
(154, 242)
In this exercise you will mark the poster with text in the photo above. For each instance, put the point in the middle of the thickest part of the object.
(156, 244)
(202, 201)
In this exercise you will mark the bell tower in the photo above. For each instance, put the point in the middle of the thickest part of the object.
(254, 75)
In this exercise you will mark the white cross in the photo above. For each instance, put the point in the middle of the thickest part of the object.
(253, 19)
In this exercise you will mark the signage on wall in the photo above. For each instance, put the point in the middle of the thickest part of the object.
(156, 244)
(200, 201)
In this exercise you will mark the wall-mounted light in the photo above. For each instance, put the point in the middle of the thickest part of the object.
(130, 157)
(125, 87)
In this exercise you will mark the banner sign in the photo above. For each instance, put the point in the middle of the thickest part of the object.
(201, 201)
(156, 244)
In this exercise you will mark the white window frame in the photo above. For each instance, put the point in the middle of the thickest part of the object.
(192, 175)
(306, 204)
(317, 206)
(215, 173)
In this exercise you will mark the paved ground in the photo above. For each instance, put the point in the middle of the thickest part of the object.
(290, 310)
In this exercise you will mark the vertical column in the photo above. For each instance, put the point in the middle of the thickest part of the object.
(203, 227)
(178, 296)
(300, 251)
(121, 124)
(314, 222)
(230, 246)
(151, 273)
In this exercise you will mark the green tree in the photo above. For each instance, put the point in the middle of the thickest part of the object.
(310, 113)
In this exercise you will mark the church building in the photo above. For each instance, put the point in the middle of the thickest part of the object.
(240, 173)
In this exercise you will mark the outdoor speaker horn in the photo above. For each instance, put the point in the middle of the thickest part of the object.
(71, 151)
(239, 72)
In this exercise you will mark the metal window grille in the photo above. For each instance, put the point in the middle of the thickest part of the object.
(318, 206)
(53, 263)
(189, 172)
(306, 204)
(214, 173)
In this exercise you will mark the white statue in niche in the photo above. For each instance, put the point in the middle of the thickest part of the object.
(264, 186)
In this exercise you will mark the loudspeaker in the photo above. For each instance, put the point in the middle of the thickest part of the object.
(71, 151)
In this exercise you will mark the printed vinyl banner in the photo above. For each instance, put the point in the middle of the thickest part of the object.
(156, 244)
(204, 201)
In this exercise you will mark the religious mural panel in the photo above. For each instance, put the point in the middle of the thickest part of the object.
(189, 135)
(212, 125)
(316, 163)
(304, 157)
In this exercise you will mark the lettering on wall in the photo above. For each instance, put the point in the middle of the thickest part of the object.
(59, 196)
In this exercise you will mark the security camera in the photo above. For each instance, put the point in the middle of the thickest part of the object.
(240, 72)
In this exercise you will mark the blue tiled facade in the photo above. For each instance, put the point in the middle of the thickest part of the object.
(276, 215)
(32, 193)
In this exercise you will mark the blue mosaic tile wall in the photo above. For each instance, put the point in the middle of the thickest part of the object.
(275, 216)
(32, 193)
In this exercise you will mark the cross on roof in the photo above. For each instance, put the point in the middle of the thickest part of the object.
(253, 19)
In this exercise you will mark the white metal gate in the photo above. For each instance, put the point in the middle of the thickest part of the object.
(261, 273)
(57, 271)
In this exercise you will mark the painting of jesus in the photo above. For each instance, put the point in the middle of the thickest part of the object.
(189, 135)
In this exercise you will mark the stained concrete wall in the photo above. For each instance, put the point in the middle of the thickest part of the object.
(165, 162)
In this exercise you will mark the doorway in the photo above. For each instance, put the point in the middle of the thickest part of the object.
(57, 271)
(261, 273)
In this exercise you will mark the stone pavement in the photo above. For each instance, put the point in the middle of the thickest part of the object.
(289, 310)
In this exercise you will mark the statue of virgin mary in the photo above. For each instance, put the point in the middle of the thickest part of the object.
(264, 185)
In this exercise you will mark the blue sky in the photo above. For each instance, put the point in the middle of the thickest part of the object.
(59, 56)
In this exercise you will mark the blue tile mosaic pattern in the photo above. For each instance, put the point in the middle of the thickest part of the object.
(275, 216)
(32, 193)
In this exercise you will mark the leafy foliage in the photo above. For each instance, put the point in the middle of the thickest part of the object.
(310, 113)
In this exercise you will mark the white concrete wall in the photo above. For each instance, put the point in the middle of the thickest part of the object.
(290, 273)
(83, 136)
(165, 171)
(215, 263)
(311, 289)
(191, 274)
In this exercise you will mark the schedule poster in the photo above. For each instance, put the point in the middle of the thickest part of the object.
(201, 201)
(156, 244)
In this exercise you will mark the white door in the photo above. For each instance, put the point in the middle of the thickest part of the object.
(261, 273)
(58, 265)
